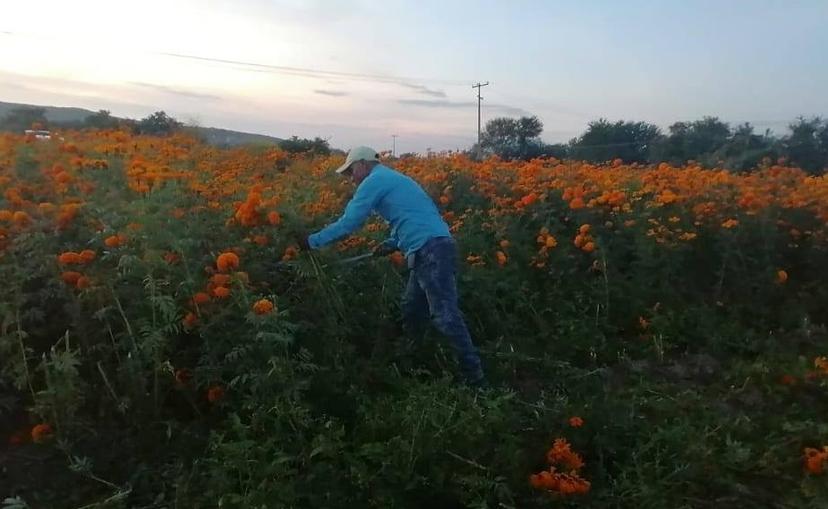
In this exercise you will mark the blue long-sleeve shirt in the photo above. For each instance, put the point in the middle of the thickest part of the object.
(413, 217)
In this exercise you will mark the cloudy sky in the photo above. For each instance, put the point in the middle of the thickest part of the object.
(359, 71)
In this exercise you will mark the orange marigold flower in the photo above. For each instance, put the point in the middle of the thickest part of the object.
(730, 223)
(260, 240)
(6, 215)
(41, 433)
(561, 453)
(221, 292)
(70, 277)
(220, 279)
(227, 261)
(87, 255)
(70, 258)
(262, 307)
(781, 277)
(815, 460)
(201, 298)
(501, 258)
(504, 244)
(83, 283)
(189, 320)
(576, 422)
(589, 247)
(183, 376)
(397, 259)
(274, 218)
(215, 393)
(550, 242)
(21, 218)
(291, 252)
(584, 229)
(529, 199)
(113, 241)
(577, 203)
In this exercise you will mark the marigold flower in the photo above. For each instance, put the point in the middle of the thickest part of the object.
(70, 277)
(260, 240)
(70, 258)
(227, 261)
(87, 255)
(814, 460)
(584, 229)
(201, 298)
(501, 258)
(6, 215)
(561, 453)
(504, 244)
(291, 252)
(83, 283)
(220, 279)
(274, 218)
(183, 376)
(215, 393)
(550, 242)
(576, 422)
(589, 247)
(781, 277)
(41, 433)
(114, 241)
(262, 307)
(221, 292)
(730, 223)
(21, 218)
(189, 320)
(397, 259)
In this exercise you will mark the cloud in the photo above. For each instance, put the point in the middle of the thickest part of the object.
(177, 91)
(446, 103)
(424, 89)
(332, 93)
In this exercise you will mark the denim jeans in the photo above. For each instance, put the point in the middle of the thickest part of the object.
(432, 293)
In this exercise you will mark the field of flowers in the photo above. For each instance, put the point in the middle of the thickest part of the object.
(655, 336)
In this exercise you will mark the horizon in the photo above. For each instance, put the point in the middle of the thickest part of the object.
(307, 68)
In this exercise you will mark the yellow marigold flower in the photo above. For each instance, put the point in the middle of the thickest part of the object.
(227, 261)
(262, 307)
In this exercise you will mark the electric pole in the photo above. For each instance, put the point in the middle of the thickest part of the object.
(394, 146)
(479, 98)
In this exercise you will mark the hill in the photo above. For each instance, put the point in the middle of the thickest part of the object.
(211, 135)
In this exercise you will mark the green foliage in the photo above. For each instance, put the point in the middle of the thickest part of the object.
(314, 147)
(605, 140)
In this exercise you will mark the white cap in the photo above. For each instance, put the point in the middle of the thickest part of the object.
(358, 154)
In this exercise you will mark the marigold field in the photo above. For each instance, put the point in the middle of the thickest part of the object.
(654, 336)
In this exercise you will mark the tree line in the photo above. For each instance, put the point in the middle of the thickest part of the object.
(709, 141)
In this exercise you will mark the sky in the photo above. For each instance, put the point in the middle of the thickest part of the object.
(357, 72)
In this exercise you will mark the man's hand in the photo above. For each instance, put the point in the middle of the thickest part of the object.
(383, 250)
(302, 239)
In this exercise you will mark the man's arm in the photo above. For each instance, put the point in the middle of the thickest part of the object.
(356, 212)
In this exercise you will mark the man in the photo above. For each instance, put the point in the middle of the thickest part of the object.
(418, 230)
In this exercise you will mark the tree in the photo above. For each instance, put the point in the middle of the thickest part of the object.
(605, 140)
(20, 119)
(159, 123)
(100, 120)
(296, 145)
(744, 149)
(807, 145)
(696, 140)
(512, 138)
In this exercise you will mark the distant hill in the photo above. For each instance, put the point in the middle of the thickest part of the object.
(56, 114)
(212, 135)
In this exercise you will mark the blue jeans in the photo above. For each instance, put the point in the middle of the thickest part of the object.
(432, 293)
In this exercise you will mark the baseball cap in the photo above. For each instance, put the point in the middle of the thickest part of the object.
(358, 154)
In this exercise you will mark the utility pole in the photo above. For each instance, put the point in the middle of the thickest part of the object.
(394, 146)
(479, 98)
